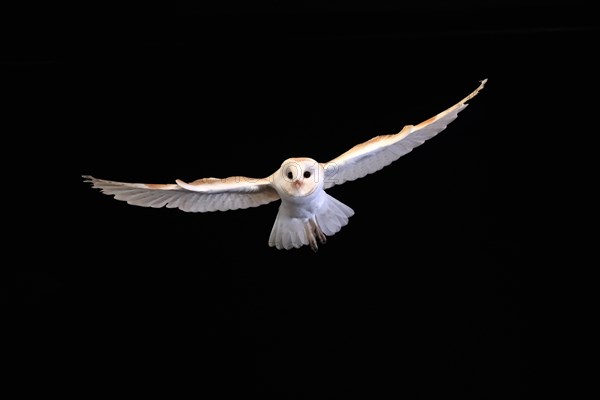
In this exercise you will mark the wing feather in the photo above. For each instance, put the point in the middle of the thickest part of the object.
(380, 151)
(203, 195)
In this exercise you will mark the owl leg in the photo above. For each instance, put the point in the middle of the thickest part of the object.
(314, 232)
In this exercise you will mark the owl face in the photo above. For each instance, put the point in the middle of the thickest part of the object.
(299, 177)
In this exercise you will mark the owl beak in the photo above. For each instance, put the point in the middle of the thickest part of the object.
(298, 183)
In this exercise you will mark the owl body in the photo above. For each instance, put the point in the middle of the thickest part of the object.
(307, 214)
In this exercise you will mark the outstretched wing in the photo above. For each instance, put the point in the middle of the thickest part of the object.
(202, 195)
(376, 153)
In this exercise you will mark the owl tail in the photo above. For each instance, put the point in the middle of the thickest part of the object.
(291, 232)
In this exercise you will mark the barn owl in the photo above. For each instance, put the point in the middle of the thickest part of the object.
(307, 214)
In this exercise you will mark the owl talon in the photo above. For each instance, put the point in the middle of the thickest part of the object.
(315, 233)
(321, 235)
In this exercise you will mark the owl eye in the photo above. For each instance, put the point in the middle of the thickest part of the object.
(307, 174)
(290, 175)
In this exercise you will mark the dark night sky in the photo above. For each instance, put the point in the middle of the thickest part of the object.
(422, 295)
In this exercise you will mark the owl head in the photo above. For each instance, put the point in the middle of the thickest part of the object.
(299, 177)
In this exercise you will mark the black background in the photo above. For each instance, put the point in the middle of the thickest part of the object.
(421, 295)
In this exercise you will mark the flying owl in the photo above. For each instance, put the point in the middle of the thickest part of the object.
(307, 213)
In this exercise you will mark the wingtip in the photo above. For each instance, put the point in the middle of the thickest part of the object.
(481, 85)
(474, 93)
